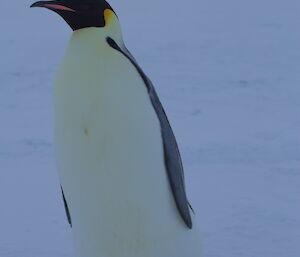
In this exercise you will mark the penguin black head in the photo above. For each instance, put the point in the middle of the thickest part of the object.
(79, 14)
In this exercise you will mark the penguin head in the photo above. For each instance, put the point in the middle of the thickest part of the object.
(80, 14)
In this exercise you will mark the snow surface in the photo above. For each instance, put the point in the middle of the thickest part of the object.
(228, 73)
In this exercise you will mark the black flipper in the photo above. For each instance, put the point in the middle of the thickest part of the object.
(171, 153)
(66, 207)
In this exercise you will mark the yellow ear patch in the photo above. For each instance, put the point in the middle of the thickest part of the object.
(108, 14)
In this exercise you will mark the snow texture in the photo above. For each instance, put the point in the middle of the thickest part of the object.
(228, 74)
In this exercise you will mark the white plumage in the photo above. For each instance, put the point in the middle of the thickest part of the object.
(110, 155)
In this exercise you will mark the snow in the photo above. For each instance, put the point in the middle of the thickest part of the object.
(228, 73)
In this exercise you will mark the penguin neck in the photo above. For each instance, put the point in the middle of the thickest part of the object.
(111, 29)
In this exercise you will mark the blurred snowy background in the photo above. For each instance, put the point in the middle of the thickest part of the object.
(228, 73)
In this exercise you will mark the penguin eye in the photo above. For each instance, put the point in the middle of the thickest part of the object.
(87, 7)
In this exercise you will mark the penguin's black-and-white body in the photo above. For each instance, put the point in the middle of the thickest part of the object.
(118, 160)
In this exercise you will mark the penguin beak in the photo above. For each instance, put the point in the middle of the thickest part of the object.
(53, 5)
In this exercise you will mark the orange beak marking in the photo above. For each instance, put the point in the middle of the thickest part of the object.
(59, 7)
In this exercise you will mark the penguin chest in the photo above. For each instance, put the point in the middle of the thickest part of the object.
(105, 122)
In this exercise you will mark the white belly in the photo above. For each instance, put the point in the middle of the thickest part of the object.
(110, 158)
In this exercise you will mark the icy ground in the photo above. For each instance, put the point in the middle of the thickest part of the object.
(228, 73)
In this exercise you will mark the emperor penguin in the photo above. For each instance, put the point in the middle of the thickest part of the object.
(119, 165)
